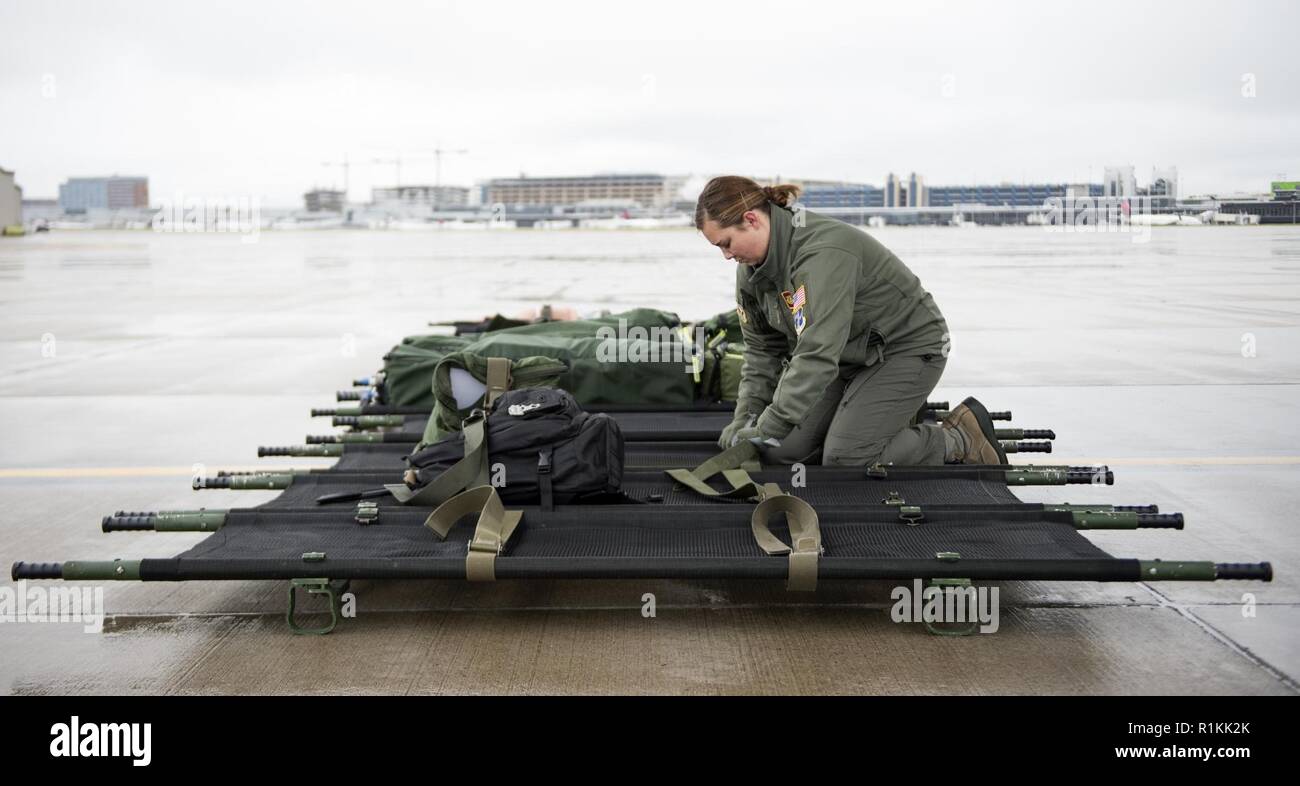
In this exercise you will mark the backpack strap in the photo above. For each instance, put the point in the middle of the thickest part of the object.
(472, 470)
(733, 463)
(805, 547)
(498, 380)
(544, 478)
(492, 530)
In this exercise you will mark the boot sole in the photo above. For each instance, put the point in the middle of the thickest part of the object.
(986, 426)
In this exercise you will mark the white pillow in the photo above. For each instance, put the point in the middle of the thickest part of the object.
(465, 389)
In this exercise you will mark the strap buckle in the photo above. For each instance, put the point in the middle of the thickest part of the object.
(911, 515)
(367, 513)
(485, 545)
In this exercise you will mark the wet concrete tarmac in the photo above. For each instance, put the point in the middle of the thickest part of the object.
(129, 358)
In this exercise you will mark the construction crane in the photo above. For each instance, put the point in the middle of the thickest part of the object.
(346, 170)
(437, 162)
(396, 161)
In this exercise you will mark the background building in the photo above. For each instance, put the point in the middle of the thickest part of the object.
(41, 210)
(420, 196)
(823, 194)
(894, 193)
(643, 189)
(1011, 194)
(1119, 181)
(1282, 208)
(83, 194)
(11, 200)
(324, 200)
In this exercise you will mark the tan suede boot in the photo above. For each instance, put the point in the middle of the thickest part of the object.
(975, 426)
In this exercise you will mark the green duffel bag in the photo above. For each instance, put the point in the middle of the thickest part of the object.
(601, 370)
(729, 372)
(408, 369)
(440, 342)
(608, 369)
(726, 324)
(720, 380)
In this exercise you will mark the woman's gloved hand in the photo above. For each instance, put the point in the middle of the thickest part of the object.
(752, 434)
(742, 421)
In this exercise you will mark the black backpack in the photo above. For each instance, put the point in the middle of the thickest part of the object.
(537, 447)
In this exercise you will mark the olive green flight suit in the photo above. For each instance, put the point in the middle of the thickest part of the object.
(842, 346)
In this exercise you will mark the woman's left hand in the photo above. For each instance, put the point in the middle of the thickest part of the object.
(752, 434)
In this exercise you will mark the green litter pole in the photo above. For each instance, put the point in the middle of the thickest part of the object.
(297, 473)
(1068, 508)
(303, 451)
(370, 421)
(326, 412)
(1123, 519)
(1160, 570)
(80, 570)
(1030, 475)
(266, 482)
(166, 521)
(369, 409)
(1025, 433)
(357, 439)
(1027, 447)
(940, 414)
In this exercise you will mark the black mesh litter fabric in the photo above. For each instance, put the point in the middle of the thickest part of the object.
(387, 457)
(660, 530)
(824, 486)
(640, 534)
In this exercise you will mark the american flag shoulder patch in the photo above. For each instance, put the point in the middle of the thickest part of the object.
(799, 307)
(799, 300)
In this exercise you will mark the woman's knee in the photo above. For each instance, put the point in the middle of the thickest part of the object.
(792, 452)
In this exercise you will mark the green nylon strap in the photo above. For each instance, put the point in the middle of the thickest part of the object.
(492, 531)
(472, 470)
(805, 538)
(498, 380)
(732, 462)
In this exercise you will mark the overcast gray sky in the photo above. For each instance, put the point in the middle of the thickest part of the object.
(250, 98)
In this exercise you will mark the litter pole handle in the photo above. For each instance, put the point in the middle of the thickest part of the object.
(1160, 521)
(36, 570)
(1137, 508)
(143, 522)
(1244, 571)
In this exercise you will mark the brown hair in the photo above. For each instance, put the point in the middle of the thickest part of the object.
(725, 199)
